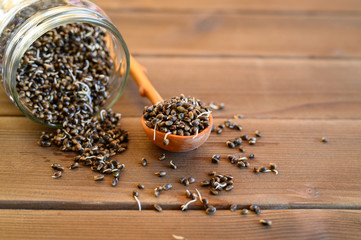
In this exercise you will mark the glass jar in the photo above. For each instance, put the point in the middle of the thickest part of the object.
(22, 22)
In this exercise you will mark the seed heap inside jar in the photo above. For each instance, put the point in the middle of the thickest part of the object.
(65, 73)
(64, 78)
(179, 116)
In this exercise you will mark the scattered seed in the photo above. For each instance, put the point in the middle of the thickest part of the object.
(251, 156)
(272, 166)
(98, 177)
(140, 186)
(135, 196)
(115, 182)
(172, 165)
(188, 194)
(191, 180)
(162, 157)
(210, 210)
(74, 165)
(144, 162)
(167, 187)
(239, 116)
(253, 207)
(324, 139)
(219, 130)
(241, 149)
(160, 173)
(215, 160)
(258, 211)
(230, 144)
(157, 207)
(244, 211)
(245, 137)
(258, 133)
(57, 174)
(265, 222)
(233, 207)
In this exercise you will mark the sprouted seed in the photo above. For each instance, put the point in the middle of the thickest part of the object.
(172, 165)
(57, 175)
(135, 195)
(265, 222)
(178, 237)
(185, 206)
(162, 157)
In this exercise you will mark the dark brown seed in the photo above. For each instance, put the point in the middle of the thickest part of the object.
(115, 182)
(211, 210)
(258, 211)
(144, 162)
(219, 130)
(244, 211)
(258, 133)
(135, 193)
(251, 156)
(216, 156)
(167, 187)
(272, 166)
(237, 141)
(324, 139)
(140, 186)
(98, 177)
(244, 137)
(204, 201)
(212, 173)
(191, 180)
(253, 207)
(55, 166)
(156, 192)
(215, 160)
(230, 144)
(205, 183)
(233, 207)
(263, 169)
(256, 169)
(252, 142)
(74, 165)
(188, 194)
(229, 188)
(265, 222)
(239, 127)
(157, 207)
(221, 126)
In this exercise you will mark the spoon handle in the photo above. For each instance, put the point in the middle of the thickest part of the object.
(146, 88)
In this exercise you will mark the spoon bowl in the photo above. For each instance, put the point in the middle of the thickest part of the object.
(178, 143)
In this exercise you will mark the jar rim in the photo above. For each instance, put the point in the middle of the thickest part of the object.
(39, 24)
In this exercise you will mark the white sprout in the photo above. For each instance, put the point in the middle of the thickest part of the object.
(91, 110)
(275, 171)
(194, 101)
(139, 205)
(67, 133)
(205, 113)
(166, 135)
(155, 129)
(199, 194)
(101, 114)
(87, 64)
(38, 54)
(178, 237)
(185, 206)
(90, 157)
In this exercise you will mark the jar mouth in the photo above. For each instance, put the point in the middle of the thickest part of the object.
(45, 21)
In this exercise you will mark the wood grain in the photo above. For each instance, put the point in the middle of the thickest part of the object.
(243, 6)
(312, 174)
(256, 88)
(287, 224)
(209, 34)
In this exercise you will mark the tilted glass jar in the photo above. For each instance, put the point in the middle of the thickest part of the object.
(22, 22)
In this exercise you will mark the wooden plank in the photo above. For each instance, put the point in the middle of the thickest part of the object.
(287, 224)
(209, 34)
(311, 173)
(257, 88)
(247, 6)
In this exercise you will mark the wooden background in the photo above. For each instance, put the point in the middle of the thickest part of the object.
(292, 68)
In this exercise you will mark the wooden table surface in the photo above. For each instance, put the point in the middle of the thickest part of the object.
(292, 68)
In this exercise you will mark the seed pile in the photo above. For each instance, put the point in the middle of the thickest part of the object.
(218, 182)
(95, 142)
(65, 74)
(178, 116)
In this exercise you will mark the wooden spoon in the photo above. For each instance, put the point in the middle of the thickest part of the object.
(176, 143)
